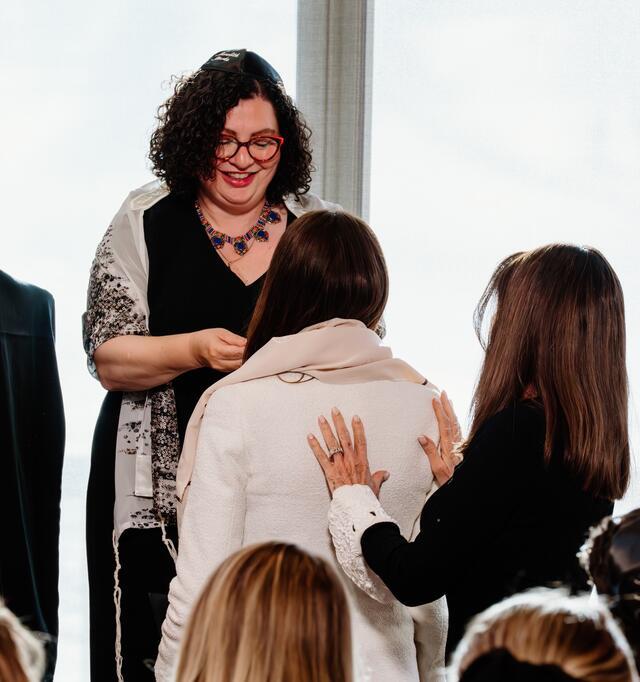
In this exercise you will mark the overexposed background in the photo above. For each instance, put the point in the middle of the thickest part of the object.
(80, 86)
(497, 126)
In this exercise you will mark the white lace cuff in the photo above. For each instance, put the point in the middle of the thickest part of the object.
(353, 509)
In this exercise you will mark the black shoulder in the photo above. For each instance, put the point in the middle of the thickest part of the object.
(25, 308)
(166, 210)
(521, 426)
(524, 414)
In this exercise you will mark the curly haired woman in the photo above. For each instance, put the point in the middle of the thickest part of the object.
(172, 288)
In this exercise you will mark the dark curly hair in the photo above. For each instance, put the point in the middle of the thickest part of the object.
(191, 120)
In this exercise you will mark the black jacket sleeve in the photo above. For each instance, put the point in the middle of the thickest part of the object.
(460, 518)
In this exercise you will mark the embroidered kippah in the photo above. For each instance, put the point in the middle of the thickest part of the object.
(243, 62)
(500, 666)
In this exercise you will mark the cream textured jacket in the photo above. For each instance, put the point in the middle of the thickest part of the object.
(255, 480)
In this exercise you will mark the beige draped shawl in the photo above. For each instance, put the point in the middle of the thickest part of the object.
(336, 352)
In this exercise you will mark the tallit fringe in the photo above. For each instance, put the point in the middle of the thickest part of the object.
(117, 600)
(168, 543)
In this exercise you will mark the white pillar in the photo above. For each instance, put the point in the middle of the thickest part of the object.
(333, 91)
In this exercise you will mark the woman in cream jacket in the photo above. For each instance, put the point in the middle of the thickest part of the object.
(245, 465)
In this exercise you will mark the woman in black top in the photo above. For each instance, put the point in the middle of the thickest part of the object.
(547, 454)
(172, 289)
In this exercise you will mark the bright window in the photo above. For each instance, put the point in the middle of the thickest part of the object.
(499, 126)
(81, 83)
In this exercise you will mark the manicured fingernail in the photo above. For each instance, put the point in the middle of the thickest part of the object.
(335, 411)
(444, 394)
(322, 420)
(310, 436)
(356, 419)
(386, 475)
(422, 440)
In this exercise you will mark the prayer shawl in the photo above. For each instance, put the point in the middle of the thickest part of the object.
(147, 446)
(336, 352)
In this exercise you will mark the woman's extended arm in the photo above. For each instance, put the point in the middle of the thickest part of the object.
(115, 324)
(354, 489)
(457, 520)
(137, 363)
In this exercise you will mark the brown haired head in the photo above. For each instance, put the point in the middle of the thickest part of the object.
(558, 333)
(327, 264)
(549, 628)
(270, 613)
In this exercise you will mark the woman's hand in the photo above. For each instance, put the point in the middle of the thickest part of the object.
(444, 457)
(218, 348)
(345, 463)
(138, 363)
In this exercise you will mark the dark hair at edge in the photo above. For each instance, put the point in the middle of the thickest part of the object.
(619, 589)
(327, 264)
(190, 122)
(559, 328)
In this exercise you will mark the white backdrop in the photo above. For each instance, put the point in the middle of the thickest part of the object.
(497, 126)
(80, 85)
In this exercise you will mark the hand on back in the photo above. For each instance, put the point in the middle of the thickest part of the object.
(444, 456)
(345, 461)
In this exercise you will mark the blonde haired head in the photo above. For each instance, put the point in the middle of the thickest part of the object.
(270, 613)
(21, 652)
(550, 628)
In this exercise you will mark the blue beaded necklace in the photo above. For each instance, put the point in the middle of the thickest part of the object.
(241, 243)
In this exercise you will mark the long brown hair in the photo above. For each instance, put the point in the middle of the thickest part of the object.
(328, 264)
(270, 613)
(558, 332)
(548, 627)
